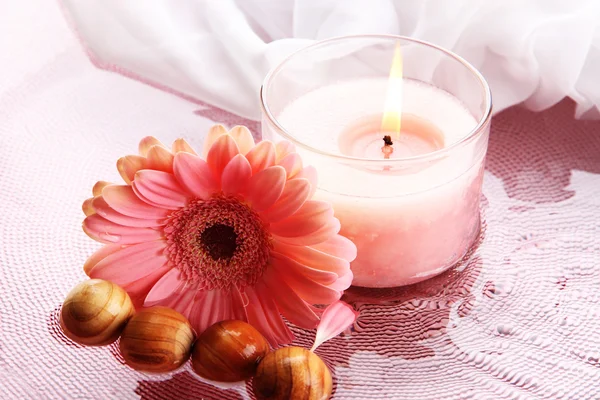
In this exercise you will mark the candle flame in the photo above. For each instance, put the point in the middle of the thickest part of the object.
(392, 114)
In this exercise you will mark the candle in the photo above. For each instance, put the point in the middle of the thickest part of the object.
(400, 159)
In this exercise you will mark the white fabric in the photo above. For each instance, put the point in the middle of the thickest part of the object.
(532, 51)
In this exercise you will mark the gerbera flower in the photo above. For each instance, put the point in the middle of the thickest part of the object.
(230, 235)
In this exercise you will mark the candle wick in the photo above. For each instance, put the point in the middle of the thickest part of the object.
(387, 148)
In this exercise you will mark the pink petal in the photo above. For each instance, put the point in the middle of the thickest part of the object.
(283, 148)
(262, 156)
(132, 263)
(312, 216)
(122, 199)
(182, 301)
(265, 188)
(180, 145)
(295, 193)
(310, 291)
(236, 175)
(338, 246)
(243, 138)
(238, 309)
(335, 319)
(296, 310)
(99, 255)
(129, 165)
(105, 231)
(209, 307)
(313, 258)
(292, 164)
(309, 173)
(343, 282)
(87, 208)
(159, 158)
(194, 174)
(161, 188)
(102, 208)
(221, 153)
(213, 134)
(167, 286)
(331, 228)
(138, 289)
(263, 315)
(284, 263)
(148, 142)
(99, 186)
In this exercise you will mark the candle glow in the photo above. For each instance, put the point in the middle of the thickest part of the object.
(392, 114)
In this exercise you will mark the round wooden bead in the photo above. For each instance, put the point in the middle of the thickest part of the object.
(292, 373)
(95, 312)
(156, 339)
(229, 351)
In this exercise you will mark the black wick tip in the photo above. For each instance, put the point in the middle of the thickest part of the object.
(387, 140)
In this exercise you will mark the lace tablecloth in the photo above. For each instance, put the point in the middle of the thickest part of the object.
(519, 319)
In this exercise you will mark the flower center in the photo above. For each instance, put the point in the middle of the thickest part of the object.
(218, 243)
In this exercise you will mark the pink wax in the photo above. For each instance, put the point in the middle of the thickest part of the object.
(413, 215)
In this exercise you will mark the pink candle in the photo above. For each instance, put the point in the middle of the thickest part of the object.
(410, 202)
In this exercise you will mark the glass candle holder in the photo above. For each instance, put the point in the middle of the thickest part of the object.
(408, 198)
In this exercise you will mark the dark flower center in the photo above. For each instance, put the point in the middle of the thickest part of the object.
(219, 241)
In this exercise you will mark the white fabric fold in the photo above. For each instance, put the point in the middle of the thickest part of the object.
(218, 52)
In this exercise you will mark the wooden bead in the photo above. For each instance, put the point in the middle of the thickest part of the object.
(292, 373)
(229, 351)
(156, 339)
(95, 312)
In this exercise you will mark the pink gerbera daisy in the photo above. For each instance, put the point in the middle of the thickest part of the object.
(230, 235)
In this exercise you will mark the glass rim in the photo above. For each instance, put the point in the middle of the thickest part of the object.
(470, 136)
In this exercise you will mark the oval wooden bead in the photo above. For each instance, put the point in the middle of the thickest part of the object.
(95, 312)
(229, 351)
(292, 373)
(156, 339)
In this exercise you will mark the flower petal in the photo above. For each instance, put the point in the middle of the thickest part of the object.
(338, 246)
(180, 145)
(160, 188)
(328, 230)
(87, 208)
(296, 310)
(335, 319)
(210, 306)
(307, 288)
(138, 289)
(159, 158)
(221, 153)
(99, 186)
(236, 175)
(182, 301)
(262, 156)
(105, 231)
(295, 193)
(312, 216)
(169, 284)
(263, 315)
(129, 165)
(292, 164)
(309, 173)
(132, 263)
(122, 199)
(148, 142)
(194, 174)
(343, 282)
(243, 138)
(313, 258)
(213, 134)
(265, 188)
(283, 148)
(287, 264)
(99, 255)
(102, 208)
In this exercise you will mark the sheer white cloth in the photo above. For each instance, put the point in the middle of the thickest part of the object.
(531, 51)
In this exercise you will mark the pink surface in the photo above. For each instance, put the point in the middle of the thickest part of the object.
(519, 319)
